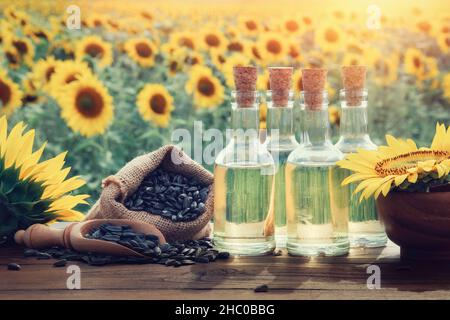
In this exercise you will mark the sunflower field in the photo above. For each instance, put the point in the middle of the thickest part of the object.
(134, 71)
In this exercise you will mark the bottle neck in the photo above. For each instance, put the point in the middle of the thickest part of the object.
(316, 126)
(245, 125)
(353, 123)
(280, 123)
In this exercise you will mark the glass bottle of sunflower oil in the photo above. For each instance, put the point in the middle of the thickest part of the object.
(244, 185)
(365, 228)
(280, 142)
(316, 204)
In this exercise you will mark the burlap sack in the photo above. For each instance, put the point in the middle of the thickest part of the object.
(118, 187)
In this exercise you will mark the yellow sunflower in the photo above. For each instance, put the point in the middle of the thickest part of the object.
(21, 48)
(193, 58)
(263, 116)
(43, 71)
(155, 104)
(37, 34)
(30, 92)
(398, 164)
(294, 52)
(10, 94)
(96, 48)
(263, 83)
(255, 53)
(184, 39)
(86, 106)
(385, 68)
(218, 58)
(33, 191)
(249, 26)
(12, 57)
(212, 40)
(414, 62)
(272, 47)
(141, 50)
(444, 42)
(330, 38)
(206, 89)
(237, 45)
(297, 82)
(334, 115)
(67, 72)
(95, 20)
(353, 59)
(291, 26)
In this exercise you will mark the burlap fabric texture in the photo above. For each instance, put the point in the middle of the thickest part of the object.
(118, 187)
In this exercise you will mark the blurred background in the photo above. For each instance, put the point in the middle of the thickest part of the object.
(110, 80)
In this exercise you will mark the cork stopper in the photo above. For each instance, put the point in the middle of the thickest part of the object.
(314, 81)
(245, 82)
(280, 79)
(353, 81)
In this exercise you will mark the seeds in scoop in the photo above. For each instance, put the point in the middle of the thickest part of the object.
(14, 266)
(171, 254)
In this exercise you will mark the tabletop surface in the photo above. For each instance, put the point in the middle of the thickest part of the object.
(287, 278)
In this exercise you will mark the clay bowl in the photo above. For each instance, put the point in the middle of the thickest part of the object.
(418, 222)
(40, 236)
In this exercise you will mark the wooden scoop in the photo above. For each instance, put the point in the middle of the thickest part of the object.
(40, 236)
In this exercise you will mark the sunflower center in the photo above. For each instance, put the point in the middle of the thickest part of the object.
(158, 103)
(447, 41)
(89, 102)
(235, 46)
(49, 73)
(173, 66)
(307, 20)
(94, 50)
(400, 164)
(273, 46)
(143, 50)
(11, 58)
(71, 77)
(417, 62)
(186, 42)
(5, 93)
(255, 53)
(212, 40)
(41, 34)
(251, 25)
(331, 35)
(300, 84)
(292, 26)
(21, 47)
(206, 87)
(221, 59)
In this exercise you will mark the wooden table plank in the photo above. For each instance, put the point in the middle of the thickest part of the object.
(287, 277)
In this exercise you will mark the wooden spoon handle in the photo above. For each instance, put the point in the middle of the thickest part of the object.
(40, 236)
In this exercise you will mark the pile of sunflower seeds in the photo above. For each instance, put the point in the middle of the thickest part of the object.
(170, 195)
(175, 254)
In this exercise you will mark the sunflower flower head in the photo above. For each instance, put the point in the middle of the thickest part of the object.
(400, 165)
(10, 95)
(86, 105)
(96, 48)
(205, 87)
(155, 104)
(141, 50)
(32, 191)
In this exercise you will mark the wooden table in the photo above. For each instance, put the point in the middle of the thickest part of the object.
(287, 278)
